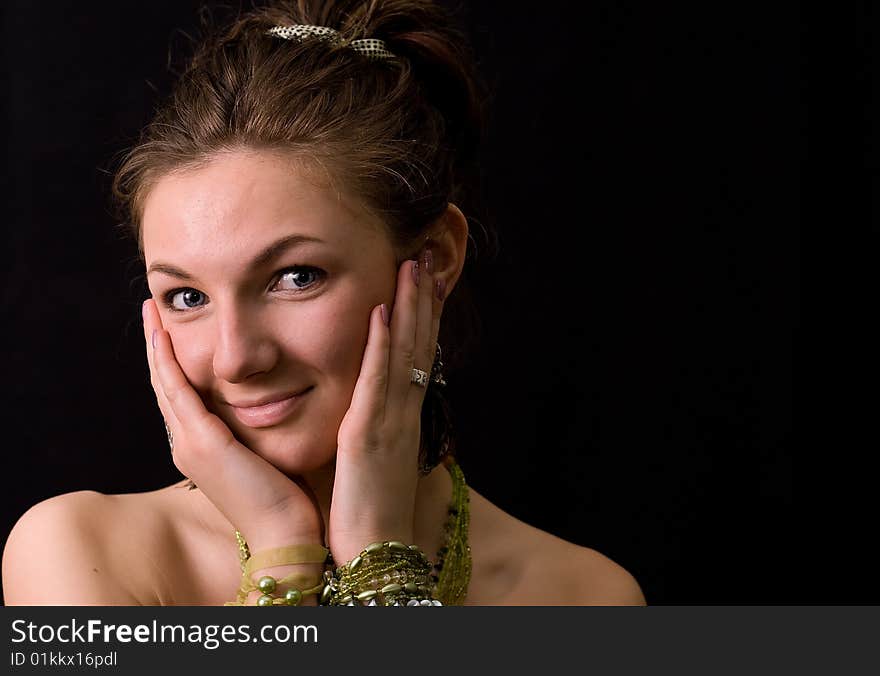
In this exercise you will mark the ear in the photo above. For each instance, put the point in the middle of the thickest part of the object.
(447, 238)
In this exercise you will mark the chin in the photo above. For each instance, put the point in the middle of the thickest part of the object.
(293, 452)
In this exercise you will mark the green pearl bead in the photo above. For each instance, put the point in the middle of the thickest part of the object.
(373, 547)
(264, 600)
(293, 597)
(266, 584)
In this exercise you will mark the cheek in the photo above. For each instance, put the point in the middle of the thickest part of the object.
(337, 339)
(193, 354)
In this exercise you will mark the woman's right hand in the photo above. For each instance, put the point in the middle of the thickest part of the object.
(269, 508)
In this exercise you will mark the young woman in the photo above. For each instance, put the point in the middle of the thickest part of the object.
(295, 206)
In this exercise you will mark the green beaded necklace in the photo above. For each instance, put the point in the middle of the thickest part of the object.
(454, 558)
(453, 568)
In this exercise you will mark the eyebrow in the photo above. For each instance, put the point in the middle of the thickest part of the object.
(267, 255)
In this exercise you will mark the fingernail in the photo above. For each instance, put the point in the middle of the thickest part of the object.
(144, 310)
(154, 338)
(415, 272)
(440, 288)
(429, 261)
(384, 311)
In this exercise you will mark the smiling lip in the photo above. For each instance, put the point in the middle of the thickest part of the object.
(270, 413)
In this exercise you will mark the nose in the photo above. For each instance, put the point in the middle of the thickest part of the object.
(244, 346)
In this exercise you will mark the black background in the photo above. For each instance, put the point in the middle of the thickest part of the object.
(633, 391)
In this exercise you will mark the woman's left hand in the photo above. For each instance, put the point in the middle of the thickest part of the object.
(374, 491)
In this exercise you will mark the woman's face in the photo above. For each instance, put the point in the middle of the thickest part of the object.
(265, 281)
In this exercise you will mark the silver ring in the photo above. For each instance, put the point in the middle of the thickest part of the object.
(419, 377)
(170, 437)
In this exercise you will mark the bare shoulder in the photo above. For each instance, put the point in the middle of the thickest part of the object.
(72, 549)
(591, 578)
(523, 565)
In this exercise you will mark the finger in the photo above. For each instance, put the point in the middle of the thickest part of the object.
(202, 442)
(403, 337)
(424, 339)
(367, 409)
(438, 297)
(152, 321)
(183, 401)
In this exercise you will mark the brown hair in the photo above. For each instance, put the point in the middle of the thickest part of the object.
(400, 134)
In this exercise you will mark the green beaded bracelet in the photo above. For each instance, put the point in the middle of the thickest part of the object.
(292, 597)
(268, 585)
(385, 573)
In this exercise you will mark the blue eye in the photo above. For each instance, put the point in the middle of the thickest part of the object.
(300, 277)
(189, 297)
